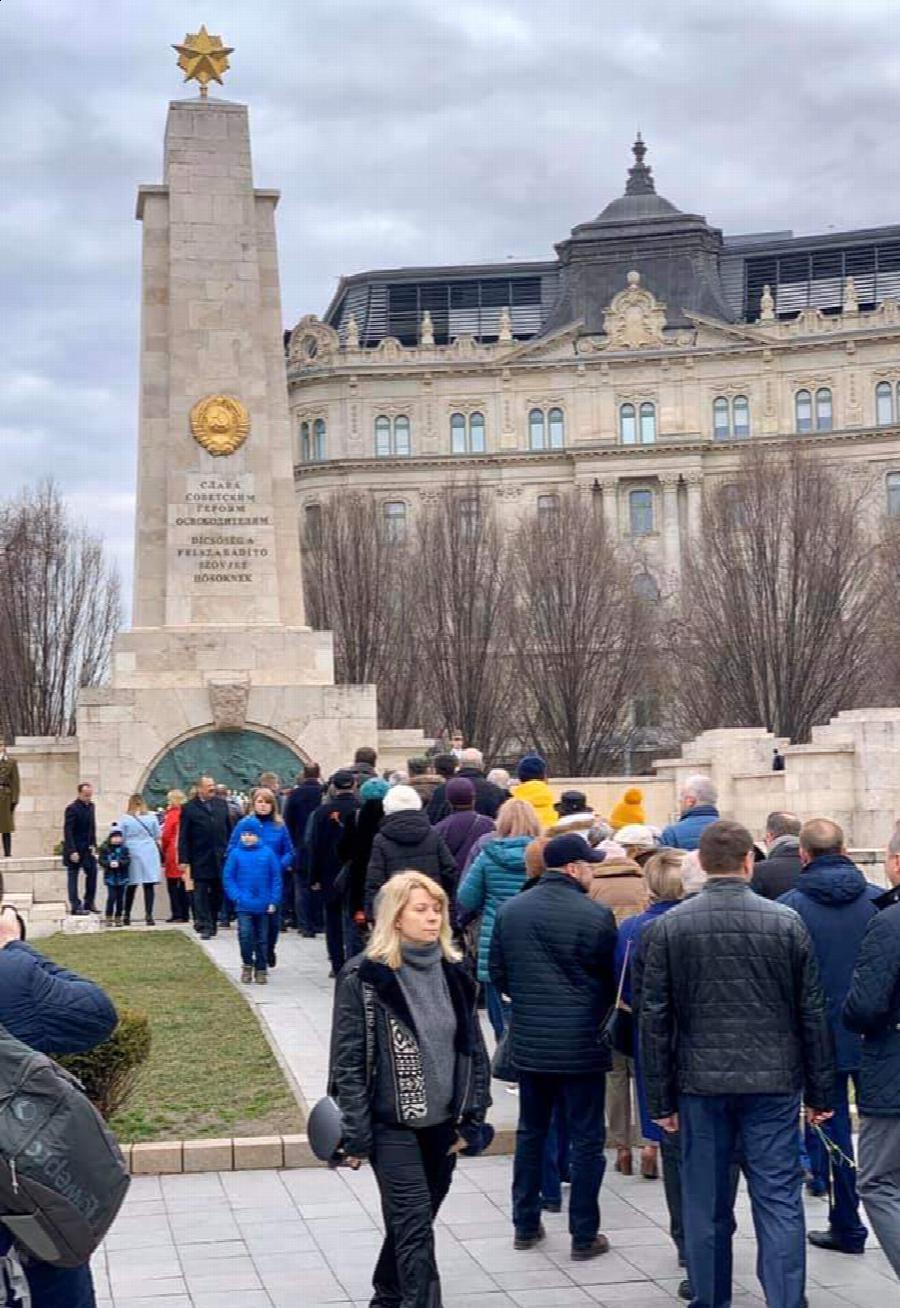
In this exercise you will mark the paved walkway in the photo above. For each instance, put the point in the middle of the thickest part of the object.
(300, 1239)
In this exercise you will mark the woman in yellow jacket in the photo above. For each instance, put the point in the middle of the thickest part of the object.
(533, 788)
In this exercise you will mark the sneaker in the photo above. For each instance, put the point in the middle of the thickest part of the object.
(246, 975)
(529, 1241)
(108, 921)
(582, 1252)
(117, 921)
(261, 979)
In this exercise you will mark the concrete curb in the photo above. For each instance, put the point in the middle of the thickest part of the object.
(261, 1152)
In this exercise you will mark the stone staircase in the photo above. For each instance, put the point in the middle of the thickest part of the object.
(36, 889)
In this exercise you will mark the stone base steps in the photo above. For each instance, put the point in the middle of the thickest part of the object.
(41, 919)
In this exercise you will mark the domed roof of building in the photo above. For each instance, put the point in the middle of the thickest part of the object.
(640, 202)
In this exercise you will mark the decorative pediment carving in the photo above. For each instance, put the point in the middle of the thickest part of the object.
(312, 342)
(635, 319)
(228, 701)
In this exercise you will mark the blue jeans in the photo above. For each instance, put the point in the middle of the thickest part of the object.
(253, 938)
(581, 1099)
(843, 1208)
(497, 1010)
(60, 1287)
(763, 1129)
(556, 1157)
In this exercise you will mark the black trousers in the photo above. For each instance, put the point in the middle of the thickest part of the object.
(207, 903)
(334, 935)
(414, 1171)
(88, 865)
(7, 844)
(149, 898)
(178, 899)
(115, 900)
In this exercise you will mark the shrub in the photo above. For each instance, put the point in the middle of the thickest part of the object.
(108, 1072)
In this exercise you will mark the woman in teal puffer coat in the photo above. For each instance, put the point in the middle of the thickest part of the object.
(496, 874)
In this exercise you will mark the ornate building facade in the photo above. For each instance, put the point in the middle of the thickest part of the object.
(633, 368)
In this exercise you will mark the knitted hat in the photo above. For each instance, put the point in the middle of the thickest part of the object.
(374, 788)
(531, 768)
(460, 793)
(629, 809)
(402, 799)
(343, 779)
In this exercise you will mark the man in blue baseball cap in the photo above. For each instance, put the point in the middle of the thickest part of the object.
(552, 954)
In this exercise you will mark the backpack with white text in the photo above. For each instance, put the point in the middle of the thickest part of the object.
(62, 1174)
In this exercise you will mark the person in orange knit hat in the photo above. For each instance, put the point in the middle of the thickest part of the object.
(629, 809)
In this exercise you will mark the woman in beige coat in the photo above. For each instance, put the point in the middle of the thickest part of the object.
(619, 883)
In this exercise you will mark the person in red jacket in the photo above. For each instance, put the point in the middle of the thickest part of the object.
(178, 895)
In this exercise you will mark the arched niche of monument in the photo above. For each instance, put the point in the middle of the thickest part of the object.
(234, 758)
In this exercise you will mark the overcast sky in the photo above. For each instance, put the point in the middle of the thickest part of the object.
(399, 132)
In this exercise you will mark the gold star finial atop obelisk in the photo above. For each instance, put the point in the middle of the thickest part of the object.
(203, 58)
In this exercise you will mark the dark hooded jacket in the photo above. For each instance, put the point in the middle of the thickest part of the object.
(873, 1009)
(355, 848)
(407, 842)
(836, 903)
(776, 875)
(460, 830)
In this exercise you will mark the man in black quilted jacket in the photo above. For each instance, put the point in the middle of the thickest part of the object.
(733, 1032)
(552, 954)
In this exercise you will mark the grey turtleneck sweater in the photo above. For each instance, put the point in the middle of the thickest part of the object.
(424, 986)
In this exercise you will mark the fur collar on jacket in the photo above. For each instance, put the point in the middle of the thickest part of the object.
(383, 981)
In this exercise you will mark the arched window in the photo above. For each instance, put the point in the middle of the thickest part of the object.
(557, 424)
(312, 524)
(458, 433)
(391, 436)
(305, 447)
(884, 404)
(548, 509)
(640, 512)
(645, 588)
(394, 512)
(648, 424)
(893, 494)
(803, 411)
(536, 429)
(401, 435)
(382, 437)
(467, 433)
(721, 419)
(740, 416)
(319, 440)
(823, 409)
(627, 425)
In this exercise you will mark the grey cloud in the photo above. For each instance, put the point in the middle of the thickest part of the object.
(412, 131)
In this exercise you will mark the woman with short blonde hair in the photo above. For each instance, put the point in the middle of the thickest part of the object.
(410, 1074)
(517, 818)
(142, 836)
(662, 873)
(179, 899)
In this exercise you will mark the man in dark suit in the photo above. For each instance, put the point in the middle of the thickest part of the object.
(80, 849)
(778, 873)
(202, 842)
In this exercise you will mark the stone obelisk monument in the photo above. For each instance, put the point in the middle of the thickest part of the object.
(218, 647)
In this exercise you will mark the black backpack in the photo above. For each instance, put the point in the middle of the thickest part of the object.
(62, 1174)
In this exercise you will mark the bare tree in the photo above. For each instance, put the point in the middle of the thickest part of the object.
(781, 595)
(358, 583)
(463, 610)
(584, 639)
(59, 611)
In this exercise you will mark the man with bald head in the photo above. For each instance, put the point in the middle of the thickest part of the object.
(837, 904)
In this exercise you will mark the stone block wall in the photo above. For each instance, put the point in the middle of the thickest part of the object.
(49, 773)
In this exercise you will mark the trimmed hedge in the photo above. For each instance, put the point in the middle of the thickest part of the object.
(109, 1071)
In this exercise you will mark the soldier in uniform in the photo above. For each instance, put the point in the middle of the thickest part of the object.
(9, 797)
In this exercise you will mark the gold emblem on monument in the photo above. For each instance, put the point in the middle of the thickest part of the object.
(220, 423)
(203, 58)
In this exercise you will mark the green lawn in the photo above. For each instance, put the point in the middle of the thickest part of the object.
(211, 1071)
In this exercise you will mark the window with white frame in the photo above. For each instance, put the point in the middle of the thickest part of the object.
(467, 433)
(394, 516)
(731, 417)
(392, 436)
(312, 441)
(884, 403)
(893, 494)
(640, 512)
(546, 431)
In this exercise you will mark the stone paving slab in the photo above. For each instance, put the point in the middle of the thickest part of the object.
(309, 1238)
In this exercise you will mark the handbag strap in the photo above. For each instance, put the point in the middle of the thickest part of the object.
(622, 975)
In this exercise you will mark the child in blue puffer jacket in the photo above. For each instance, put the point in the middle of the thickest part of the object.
(252, 880)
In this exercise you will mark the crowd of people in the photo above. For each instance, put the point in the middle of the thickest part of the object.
(682, 991)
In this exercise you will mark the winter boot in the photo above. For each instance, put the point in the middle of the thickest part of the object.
(261, 979)
(246, 975)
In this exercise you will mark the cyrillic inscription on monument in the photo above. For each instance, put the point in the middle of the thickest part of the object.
(220, 536)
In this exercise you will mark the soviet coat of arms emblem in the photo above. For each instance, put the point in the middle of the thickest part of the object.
(220, 423)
